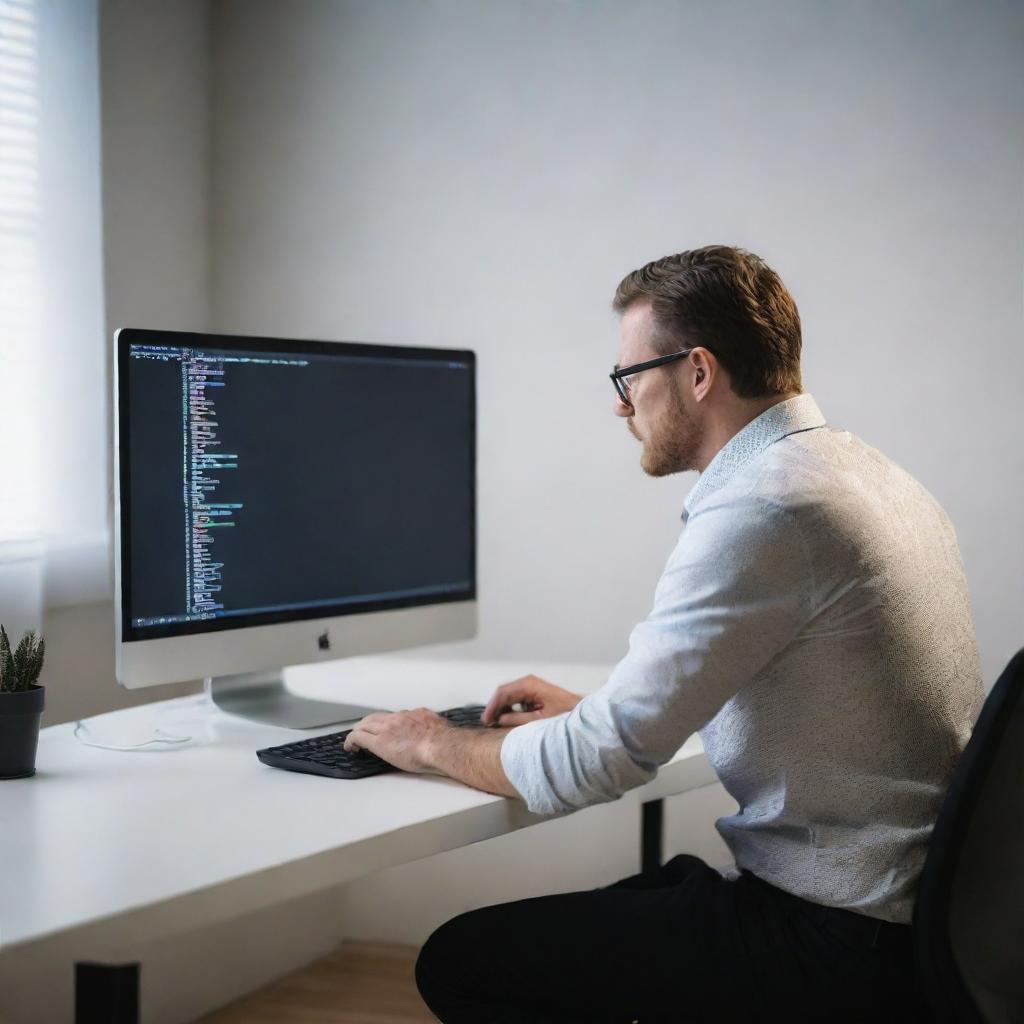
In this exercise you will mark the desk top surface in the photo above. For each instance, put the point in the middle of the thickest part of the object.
(99, 833)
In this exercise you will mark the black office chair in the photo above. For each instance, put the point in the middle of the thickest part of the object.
(968, 922)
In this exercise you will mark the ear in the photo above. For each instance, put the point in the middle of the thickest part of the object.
(704, 372)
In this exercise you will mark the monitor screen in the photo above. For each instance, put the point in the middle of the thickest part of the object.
(266, 480)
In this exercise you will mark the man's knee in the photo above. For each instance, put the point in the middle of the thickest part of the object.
(442, 959)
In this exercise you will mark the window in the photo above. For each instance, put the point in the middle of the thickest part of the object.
(53, 385)
(19, 268)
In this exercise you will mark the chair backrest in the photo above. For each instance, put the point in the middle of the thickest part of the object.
(968, 923)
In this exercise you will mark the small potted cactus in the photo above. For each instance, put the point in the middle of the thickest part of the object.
(21, 704)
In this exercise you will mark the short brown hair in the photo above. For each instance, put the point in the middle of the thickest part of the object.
(731, 302)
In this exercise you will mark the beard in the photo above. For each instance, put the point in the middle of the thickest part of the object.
(673, 441)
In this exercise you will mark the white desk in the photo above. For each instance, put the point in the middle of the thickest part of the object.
(152, 844)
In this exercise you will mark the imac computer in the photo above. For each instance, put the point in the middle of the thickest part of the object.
(278, 502)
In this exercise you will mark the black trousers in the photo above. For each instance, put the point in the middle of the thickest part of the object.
(680, 944)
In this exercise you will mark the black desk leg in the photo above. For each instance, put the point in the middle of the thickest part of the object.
(650, 835)
(106, 993)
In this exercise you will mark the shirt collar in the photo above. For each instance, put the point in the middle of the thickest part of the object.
(782, 419)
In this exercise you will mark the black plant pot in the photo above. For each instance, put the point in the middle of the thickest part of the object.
(19, 731)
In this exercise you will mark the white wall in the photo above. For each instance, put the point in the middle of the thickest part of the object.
(482, 174)
(155, 82)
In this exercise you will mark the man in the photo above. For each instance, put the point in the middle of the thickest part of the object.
(812, 624)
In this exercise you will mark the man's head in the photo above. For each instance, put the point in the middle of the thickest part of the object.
(742, 326)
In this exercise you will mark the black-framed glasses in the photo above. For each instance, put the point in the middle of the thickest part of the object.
(621, 376)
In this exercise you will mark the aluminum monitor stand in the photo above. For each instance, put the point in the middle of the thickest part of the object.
(263, 697)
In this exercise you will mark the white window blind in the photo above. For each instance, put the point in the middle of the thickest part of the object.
(53, 382)
(19, 267)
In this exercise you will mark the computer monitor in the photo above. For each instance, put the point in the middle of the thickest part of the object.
(279, 502)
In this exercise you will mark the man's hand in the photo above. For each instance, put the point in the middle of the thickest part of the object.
(537, 698)
(402, 738)
(422, 741)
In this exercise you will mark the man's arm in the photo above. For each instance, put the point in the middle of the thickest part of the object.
(472, 756)
(423, 741)
(736, 591)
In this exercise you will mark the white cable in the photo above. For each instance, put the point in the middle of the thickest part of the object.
(171, 742)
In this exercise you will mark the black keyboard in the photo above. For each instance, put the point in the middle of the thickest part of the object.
(326, 755)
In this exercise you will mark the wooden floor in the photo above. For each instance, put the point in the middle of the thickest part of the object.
(359, 983)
